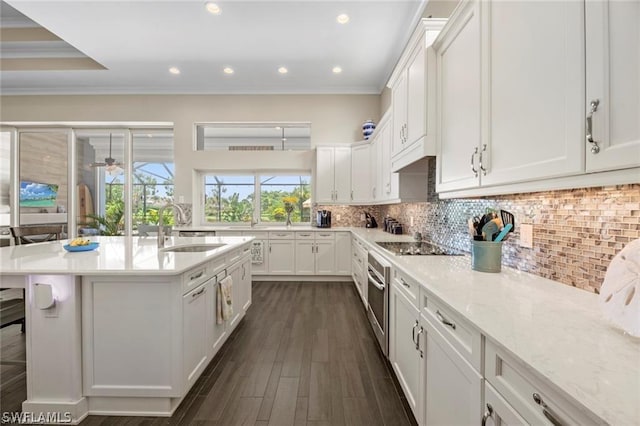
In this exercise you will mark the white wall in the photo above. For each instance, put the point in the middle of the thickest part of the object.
(335, 119)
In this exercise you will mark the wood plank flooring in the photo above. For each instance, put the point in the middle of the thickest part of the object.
(13, 367)
(303, 355)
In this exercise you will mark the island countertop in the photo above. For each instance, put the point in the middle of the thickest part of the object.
(114, 256)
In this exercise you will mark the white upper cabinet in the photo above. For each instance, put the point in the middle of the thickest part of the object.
(360, 173)
(613, 81)
(333, 174)
(512, 108)
(458, 99)
(413, 103)
(535, 91)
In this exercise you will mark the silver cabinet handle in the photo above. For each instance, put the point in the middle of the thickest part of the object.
(244, 272)
(352, 194)
(444, 320)
(594, 145)
(404, 283)
(418, 342)
(473, 168)
(269, 248)
(546, 410)
(487, 414)
(199, 292)
(281, 235)
(304, 235)
(196, 276)
(413, 333)
(484, 149)
(246, 250)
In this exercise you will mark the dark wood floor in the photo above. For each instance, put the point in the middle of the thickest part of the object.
(303, 355)
(13, 378)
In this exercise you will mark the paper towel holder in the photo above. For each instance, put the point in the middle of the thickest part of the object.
(44, 296)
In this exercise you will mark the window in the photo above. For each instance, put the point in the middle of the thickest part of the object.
(276, 190)
(262, 198)
(253, 136)
(228, 198)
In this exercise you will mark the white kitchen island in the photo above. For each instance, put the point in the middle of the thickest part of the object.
(133, 326)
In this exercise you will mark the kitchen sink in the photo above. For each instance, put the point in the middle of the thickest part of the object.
(192, 249)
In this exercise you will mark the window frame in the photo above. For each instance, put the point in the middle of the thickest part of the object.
(257, 205)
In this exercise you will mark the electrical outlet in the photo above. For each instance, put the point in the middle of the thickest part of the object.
(526, 235)
(410, 220)
(181, 199)
(363, 217)
(338, 217)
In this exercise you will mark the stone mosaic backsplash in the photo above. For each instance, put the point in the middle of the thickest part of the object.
(576, 232)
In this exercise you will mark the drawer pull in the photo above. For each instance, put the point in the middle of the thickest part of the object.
(196, 276)
(548, 413)
(281, 235)
(246, 250)
(325, 235)
(444, 320)
(487, 414)
(199, 292)
(404, 283)
(418, 342)
(304, 235)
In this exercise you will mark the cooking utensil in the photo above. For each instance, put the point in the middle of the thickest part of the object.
(489, 229)
(472, 228)
(504, 232)
(508, 218)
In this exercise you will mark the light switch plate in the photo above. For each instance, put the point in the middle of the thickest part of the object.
(526, 235)
(338, 217)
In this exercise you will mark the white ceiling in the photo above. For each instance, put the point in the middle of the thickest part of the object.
(138, 41)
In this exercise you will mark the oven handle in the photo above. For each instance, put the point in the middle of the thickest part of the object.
(374, 281)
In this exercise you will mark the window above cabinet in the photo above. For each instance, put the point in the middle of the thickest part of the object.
(285, 136)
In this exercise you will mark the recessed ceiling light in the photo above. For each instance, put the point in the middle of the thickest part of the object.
(337, 70)
(228, 70)
(213, 8)
(283, 70)
(343, 18)
(174, 70)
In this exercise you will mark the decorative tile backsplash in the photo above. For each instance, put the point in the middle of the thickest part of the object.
(576, 232)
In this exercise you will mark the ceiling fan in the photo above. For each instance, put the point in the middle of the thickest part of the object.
(110, 164)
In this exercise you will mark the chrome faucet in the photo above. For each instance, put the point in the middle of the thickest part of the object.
(181, 219)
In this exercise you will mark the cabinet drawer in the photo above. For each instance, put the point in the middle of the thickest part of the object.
(233, 256)
(307, 235)
(260, 235)
(282, 235)
(325, 235)
(465, 338)
(409, 287)
(196, 276)
(522, 388)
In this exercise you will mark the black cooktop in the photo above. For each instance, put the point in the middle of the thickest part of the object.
(417, 249)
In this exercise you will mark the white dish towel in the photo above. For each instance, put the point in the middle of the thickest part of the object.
(224, 309)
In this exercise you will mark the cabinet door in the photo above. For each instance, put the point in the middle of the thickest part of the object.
(342, 174)
(536, 91)
(324, 174)
(195, 315)
(613, 78)
(416, 95)
(360, 173)
(282, 257)
(374, 159)
(245, 284)
(305, 257)
(237, 296)
(405, 359)
(452, 388)
(399, 120)
(458, 101)
(325, 257)
(498, 410)
(343, 253)
(216, 333)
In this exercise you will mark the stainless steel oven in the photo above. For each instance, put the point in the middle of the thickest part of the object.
(379, 273)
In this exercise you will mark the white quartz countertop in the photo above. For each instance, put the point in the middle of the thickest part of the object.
(115, 255)
(304, 228)
(556, 329)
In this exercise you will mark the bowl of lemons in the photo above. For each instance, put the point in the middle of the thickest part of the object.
(80, 244)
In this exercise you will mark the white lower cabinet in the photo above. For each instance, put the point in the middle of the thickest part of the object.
(316, 255)
(498, 411)
(325, 259)
(404, 348)
(452, 393)
(282, 260)
(305, 257)
(196, 309)
(343, 253)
